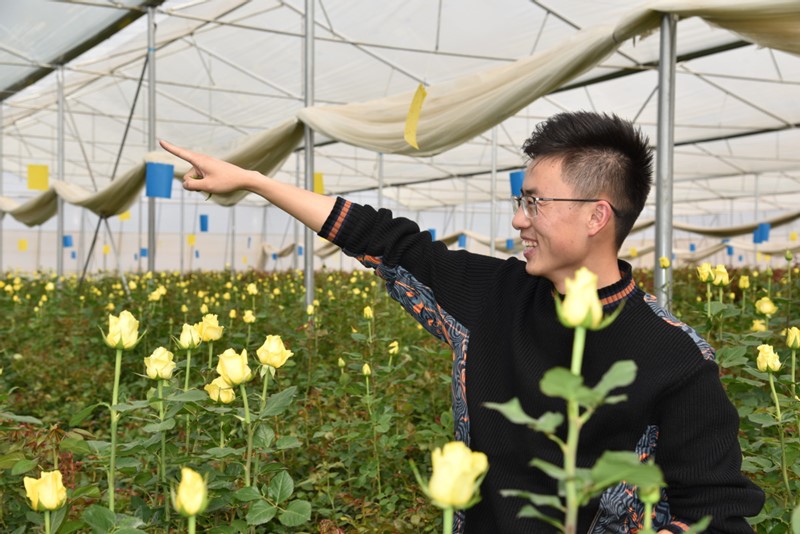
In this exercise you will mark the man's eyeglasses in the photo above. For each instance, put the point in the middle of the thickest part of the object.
(530, 204)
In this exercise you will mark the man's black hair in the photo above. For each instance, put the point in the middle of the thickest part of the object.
(600, 154)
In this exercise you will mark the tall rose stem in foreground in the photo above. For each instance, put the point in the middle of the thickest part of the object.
(249, 428)
(366, 370)
(573, 432)
(769, 362)
(114, 421)
(163, 464)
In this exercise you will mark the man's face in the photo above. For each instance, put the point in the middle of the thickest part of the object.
(555, 241)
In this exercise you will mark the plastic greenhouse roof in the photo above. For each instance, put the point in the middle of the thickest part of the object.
(229, 69)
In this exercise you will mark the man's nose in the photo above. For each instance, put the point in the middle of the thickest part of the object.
(520, 220)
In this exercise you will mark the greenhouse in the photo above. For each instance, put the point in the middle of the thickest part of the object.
(112, 271)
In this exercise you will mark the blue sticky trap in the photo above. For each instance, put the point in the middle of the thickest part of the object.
(73, 254)
(462, 241)
(67, 241)
(741, 258)
(764, 228)
(729, 250)
(299, 251)
(516, 178)
(274, 256)
(196, 253)
(432, 231)
(692, 247)
(143, 252)
(158, 179)
(204, 223)
(509, 244)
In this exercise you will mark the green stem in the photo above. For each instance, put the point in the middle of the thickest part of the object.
(780, 435)
(264, 391)
(47, 521)
(447, 521)
(249, 429)
(163, 462)
(247, 341)
(188, 368)
(708, 299)
(221, 434)
(573, 432)
(374, 435)
(191, 524)
(210, 354)
(114, 420)
(647, 520)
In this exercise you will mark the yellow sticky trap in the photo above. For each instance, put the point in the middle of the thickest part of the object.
(106, 249)
(319, 185)
(38, 177)
(412, 119)
(191, 239)
(22, 245)
(125, 215)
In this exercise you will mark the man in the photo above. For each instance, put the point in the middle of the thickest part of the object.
(587, 181)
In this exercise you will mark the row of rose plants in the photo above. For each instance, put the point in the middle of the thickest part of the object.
(323, 441)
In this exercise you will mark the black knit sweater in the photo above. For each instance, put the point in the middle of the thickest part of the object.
(503, 327)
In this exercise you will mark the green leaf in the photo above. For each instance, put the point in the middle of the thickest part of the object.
(90, 492)
(561, 383)
(281, 487)
(247, 494)
(278, 402)
(616, 466)
(796, 521)
(20, 418)
(621, 374)
(260, 512)
(355, 336)
(7, 461)
(193, 395)
(296, 513)
(23, 466)
(100, 518)
(79, 417)
(287, 442)
(551, 470)
(263, 437)
(74, 445)
(532, 512)
(512, 410)
(130, 406)
(221, 452)
(535, 498)
(167, 424)
(763, 419)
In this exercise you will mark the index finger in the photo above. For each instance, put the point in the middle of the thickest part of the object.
(186, 155)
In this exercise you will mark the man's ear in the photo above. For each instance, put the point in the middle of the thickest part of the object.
(602, 216)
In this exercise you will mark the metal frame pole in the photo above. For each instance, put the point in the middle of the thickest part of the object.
(2, 215)
(380, 180)
(308, 93)
(151, 131)
(61, 159)
(664, 158)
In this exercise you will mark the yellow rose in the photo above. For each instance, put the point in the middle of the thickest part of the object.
(190, 337)
(191, 498)
(252, 289)
(705, 273)
(249, 317)
(767, 359)
(664, 262)
(793, 338)
(368, 313)
(184, 308)
(220, 391)
(209, 328)
(46, 492)
(721, 276)
(765, 306)
(123, 331)
(758, 325)
(310, 310)
(233, 368)
(273, 352)
(744, 282)
(204, 308)
(633, 252)
(232, 314)
(581, 305)
(366, 370)
(394, 347)
(457, 474)
(159, 364)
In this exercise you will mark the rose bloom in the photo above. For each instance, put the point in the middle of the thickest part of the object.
(758, 326)
(721, 276)
(209, 328)
(744, 282)
(457, 473)
(273, 353)
(765, 306)
(767, 359)
(191, 498)
(664, 262)
(189, 338)
(123, 331)
(233, 368)
(249, 317)
(793, 338)
(581, 305)
(46, 492)
(220, 391)
(705, 273)
(159, 365)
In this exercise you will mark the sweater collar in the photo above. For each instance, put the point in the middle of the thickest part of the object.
(612, 295)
